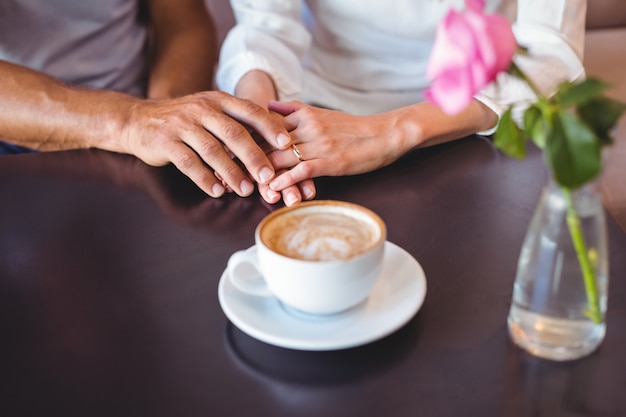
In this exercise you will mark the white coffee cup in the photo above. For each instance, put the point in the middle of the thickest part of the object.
(319, 257)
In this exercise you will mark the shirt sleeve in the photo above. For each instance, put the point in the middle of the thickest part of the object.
(269, 36)
(553, 32)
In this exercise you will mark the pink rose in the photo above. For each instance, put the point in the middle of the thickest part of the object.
(470, 49)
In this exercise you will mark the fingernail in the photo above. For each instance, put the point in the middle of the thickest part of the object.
(308, 192)
(275, 185)
(283, 139)
(218, 189)
(266, 174)
(291, 199)
(246, 187)
(273, 195)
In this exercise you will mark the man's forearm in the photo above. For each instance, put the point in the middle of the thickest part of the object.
(42, 113)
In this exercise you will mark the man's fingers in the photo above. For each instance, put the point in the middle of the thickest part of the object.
(225, 131)
(190, 164)
(258, 118)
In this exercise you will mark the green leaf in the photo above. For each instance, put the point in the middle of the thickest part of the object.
(535, 126)
(570, 94)
(572, 151)
(509, 138)
(601, 115)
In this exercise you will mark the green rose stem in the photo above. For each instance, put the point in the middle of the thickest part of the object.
(573, 224)
(589, 276)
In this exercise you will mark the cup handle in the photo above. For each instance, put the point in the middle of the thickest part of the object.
(244, 272)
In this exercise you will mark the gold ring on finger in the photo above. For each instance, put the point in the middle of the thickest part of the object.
(296, 152)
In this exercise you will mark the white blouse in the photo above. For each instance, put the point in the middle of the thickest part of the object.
(370, 56)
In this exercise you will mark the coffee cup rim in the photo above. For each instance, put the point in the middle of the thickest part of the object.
(353, 206)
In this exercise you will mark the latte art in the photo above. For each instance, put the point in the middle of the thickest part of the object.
(320, 235)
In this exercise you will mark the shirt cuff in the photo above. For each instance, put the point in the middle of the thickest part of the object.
(496, 107)
(229, 74)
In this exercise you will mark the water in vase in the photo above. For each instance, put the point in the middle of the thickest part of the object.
(548, 311)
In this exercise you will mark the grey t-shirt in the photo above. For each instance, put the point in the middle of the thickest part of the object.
(92, 43)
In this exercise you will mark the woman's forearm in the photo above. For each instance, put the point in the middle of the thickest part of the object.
(425, 124)
(258, 87)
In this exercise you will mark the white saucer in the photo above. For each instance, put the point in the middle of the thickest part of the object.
(395, 299)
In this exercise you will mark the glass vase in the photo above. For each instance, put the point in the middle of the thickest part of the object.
(560, 291)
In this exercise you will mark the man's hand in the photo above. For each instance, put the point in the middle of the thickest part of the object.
(192, 132)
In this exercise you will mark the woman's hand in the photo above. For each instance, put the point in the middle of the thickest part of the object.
(333, 143)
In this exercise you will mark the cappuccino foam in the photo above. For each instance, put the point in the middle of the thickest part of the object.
(323, 233)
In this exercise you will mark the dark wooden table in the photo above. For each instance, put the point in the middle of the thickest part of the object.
(108, 298)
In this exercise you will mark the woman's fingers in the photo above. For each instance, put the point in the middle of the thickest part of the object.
(292, 194)
(301, 173)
